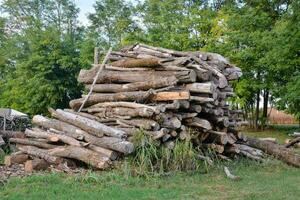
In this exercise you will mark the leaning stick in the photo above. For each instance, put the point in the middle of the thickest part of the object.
(95, 79)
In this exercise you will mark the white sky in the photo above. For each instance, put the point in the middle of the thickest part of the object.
(85, 6)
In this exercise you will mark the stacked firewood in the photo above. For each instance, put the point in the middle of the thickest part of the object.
(168, 95)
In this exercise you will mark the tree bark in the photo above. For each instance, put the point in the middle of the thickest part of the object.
(197, 122)
(40, 153)
(121, 111)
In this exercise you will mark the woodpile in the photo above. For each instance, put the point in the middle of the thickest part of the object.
(169, 95)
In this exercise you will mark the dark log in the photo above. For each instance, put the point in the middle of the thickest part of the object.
(93, 127)
(15, 159)
(131, 63)
(35, 165)
(136, 86)
(280, 152)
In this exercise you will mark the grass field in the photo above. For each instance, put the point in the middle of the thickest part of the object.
(269, 180)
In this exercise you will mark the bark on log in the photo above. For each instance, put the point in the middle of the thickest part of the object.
(15, 159)
(35, 165)
(86, 76)
(32, 143)
(85, 155)
(276, 150)
(136, 86)
(202, 99)
(91, 126)
(131, 63)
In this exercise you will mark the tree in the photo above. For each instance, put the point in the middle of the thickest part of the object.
(45, 55)
(111, 22)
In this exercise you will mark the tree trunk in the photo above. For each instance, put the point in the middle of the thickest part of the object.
(197, 122)
(40, 153)
(121, 111)
(257, 109)
(131, 63)
(32, 143)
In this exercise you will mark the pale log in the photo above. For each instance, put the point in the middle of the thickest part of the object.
(121, 111)
(94, 127)
(167, 96)
(85, 155)
(143, 123)
(206, 88)
(217, 137)
(68, 129)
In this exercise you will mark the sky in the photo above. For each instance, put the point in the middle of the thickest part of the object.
(85, 6)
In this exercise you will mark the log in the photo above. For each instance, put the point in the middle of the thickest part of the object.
(15, 159)
(292, 142)
(121, 111)
(167, 96)
(87, 156)
(276, 150)
(206, 88)
(11, 134)
(122, 96)
(154, 134)
(202, 99)
(67, 129)
(86, 76)
(169, 120)
(31, 142)
(2, 142)
(143, 123)
(35, 165)
(136, 86)
(131, 63)
(40, 153)
(198, 122)
(91, 126)
(217, 137)
(112, 155)
(133, 105)
(52, 137)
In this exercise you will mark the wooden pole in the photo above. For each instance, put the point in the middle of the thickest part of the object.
(95, 78)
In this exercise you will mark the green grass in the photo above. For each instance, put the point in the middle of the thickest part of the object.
(280, 135)
(270, 180)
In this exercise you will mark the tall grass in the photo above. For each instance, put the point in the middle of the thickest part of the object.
(152, 158)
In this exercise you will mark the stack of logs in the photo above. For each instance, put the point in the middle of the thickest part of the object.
(170, 95)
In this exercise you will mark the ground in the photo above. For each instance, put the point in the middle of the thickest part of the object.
(269, 180)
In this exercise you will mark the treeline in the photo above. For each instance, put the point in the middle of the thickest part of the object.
(43, 46)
